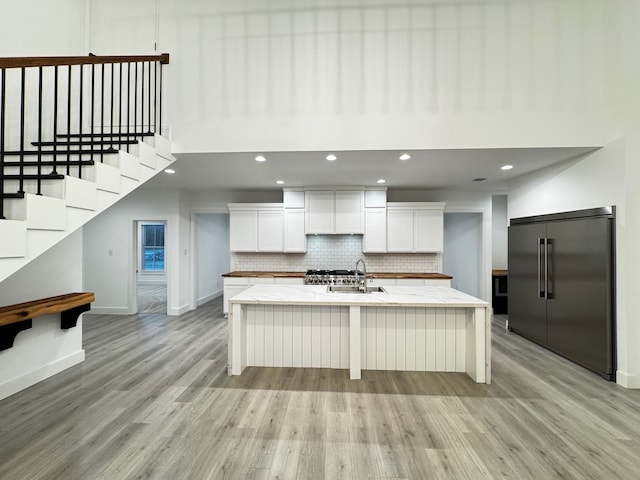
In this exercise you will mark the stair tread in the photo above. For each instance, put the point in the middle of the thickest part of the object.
(64, 143)
(48, 163)
(97, 135)
(13, 195)
(15, 153)
(43, 176)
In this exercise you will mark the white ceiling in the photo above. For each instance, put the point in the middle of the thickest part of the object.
(427, 169)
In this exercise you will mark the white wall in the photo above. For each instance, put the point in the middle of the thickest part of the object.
(499, 235)
(211, 254)
(31, 28)
(462, 258)
(609, 176)
(260, 76)
(109, 267)
(45, 349)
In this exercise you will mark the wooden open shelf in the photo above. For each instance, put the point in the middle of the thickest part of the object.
(18, 317)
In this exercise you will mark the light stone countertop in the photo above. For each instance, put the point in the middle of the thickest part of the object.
(394, 296)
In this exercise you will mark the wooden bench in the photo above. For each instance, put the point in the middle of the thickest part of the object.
(16, 318)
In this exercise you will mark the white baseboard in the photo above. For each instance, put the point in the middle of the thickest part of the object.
(110, 311)
(179, 310)
(206, 298)
(25, 381)
(627, 381)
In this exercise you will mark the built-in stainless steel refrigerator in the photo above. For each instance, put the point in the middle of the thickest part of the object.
(561, 285)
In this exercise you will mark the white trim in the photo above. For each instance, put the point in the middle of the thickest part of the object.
(627, 381)
(178, 311)
(41, 373)
(132, 258)
(111, 311)
(209, 297)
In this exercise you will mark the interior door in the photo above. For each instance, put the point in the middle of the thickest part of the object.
(527, 307)
(579, 308)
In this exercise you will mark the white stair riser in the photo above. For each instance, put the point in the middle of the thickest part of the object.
(108, 178)
(163, 147)
(80, 193)
(147, 155)
(37, 222)
(38, 212)
(129, 166)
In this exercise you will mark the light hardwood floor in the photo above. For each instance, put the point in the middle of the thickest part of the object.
(153, 400)
(152, 298)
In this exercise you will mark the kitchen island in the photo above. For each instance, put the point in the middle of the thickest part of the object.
(436, 329)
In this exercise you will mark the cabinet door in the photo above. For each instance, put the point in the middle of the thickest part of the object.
(375, 230)
(429, 230)
(319, 216)
(527, 306)
(349, 211)
(243, 231)
(294, 238)
(399, 230)
(270, 231)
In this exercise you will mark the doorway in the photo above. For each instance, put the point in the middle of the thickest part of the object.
(151, 271)
(462, 258)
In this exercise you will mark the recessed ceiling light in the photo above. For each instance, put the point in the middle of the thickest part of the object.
(331, 157)
(382, 180)
(280, 182)
(261, 158)
(169, 170)
(506, 167)
(405, 156)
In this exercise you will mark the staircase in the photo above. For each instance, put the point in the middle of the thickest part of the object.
(94, 136)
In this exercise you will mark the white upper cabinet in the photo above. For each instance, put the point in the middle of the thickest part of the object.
(271, 230)
(415, 227)
(375, 230)
(429, 230)
(256, 227)
(243, 230)
(349, 208)
(334, 211)
(295, 240)
(320, 207)
(400, 230)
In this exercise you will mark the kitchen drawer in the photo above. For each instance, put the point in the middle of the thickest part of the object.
(289, 281)
(410, 282)
(261, 281)
(236, 281)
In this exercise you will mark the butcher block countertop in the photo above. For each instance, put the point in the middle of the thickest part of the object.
(422, 275)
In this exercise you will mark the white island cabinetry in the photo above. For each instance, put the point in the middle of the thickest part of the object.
(435, 329)
(235, 285)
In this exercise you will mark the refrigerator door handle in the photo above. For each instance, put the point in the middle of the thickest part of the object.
(541, 293)
(546, 268)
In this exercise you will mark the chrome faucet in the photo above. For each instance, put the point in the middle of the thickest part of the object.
(362, 284)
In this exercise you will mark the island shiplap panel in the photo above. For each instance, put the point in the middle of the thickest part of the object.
(422, 339)
(297, 336)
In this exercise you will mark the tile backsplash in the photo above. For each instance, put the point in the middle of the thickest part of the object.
(336, 252)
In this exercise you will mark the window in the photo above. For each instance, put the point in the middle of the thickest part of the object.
(153, 248)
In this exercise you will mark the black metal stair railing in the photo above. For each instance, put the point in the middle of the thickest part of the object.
(119, 105)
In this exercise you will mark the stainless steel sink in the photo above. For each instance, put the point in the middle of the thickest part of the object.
(353, 289)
